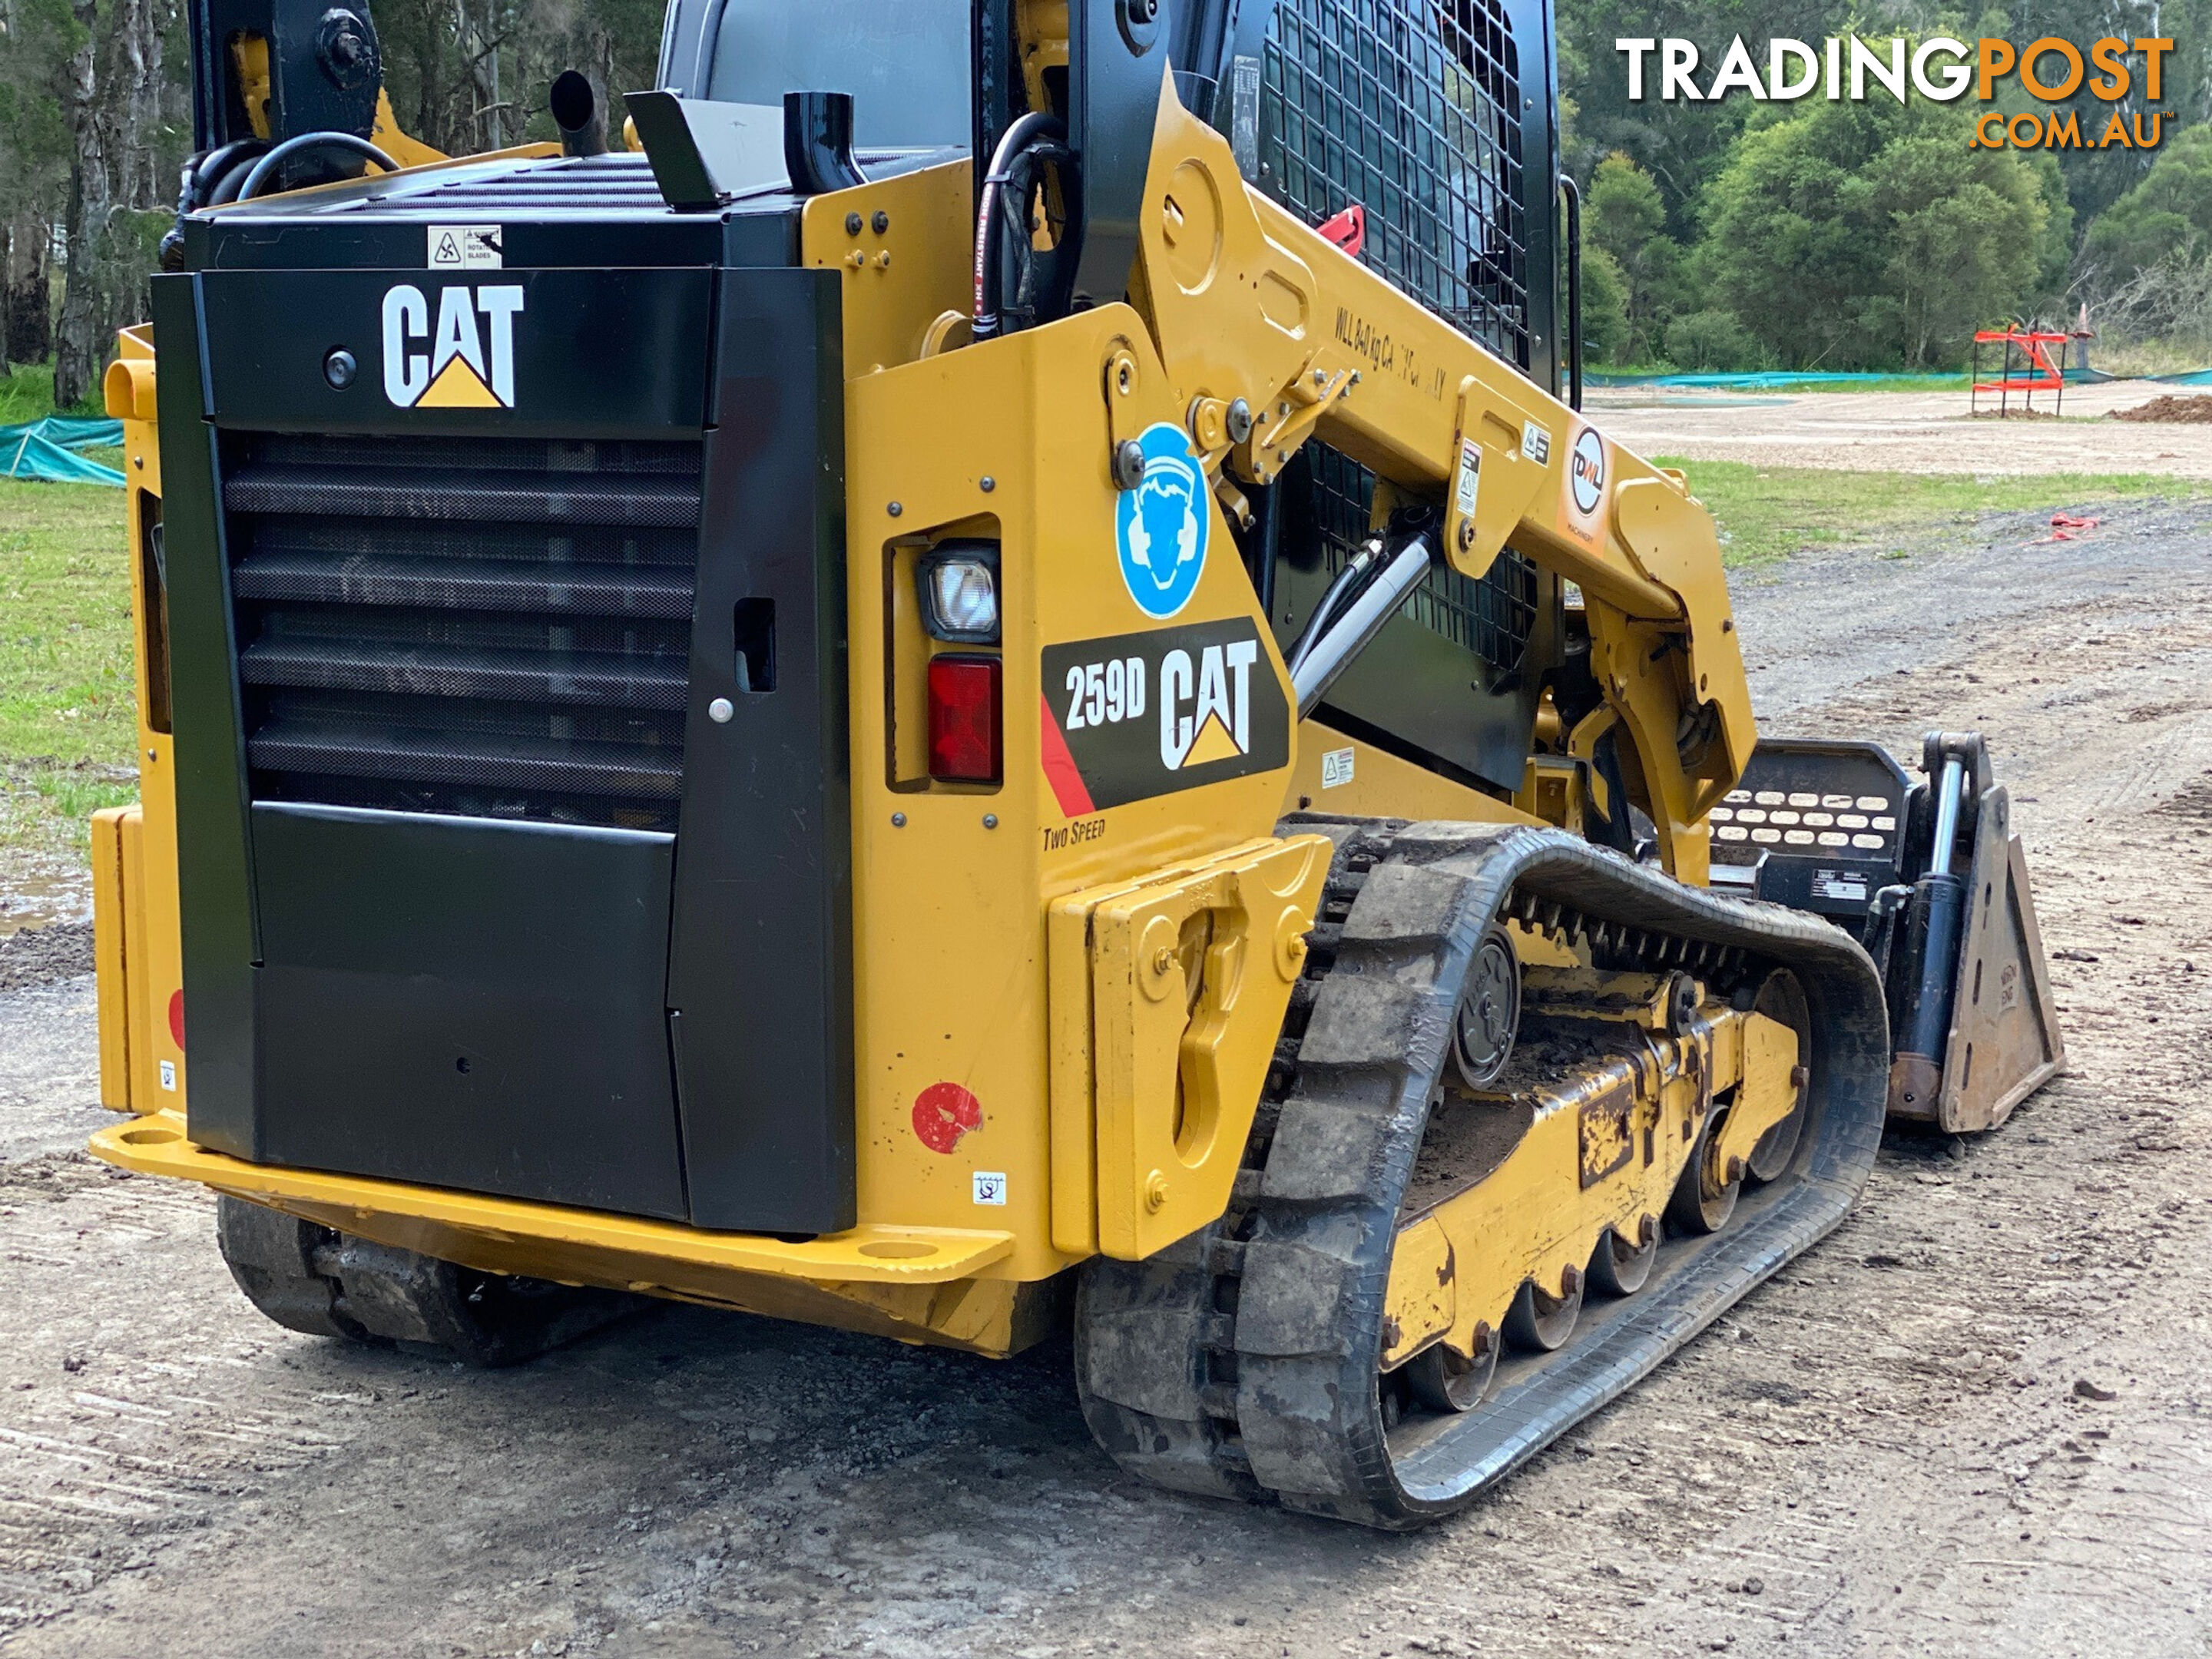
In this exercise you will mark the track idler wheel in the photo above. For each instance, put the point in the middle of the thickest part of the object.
(272, 1257)
(324, 1283)
(1488, 1017)
(1781, 998)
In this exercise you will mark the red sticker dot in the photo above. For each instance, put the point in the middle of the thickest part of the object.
(177, 1017)
(943, 1113)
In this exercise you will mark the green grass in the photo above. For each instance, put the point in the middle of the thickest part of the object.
(27, 394)
(68, 719)
(1954, 381)
(1770, 512)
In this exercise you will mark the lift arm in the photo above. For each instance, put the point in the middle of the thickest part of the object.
(1272, 335)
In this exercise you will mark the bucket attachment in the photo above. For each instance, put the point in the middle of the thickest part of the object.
(1931, 879)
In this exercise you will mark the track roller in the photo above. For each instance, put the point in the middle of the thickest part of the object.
(1539, 1322)
(1620, 1268)
(1443, 1380)
(1705, 1197)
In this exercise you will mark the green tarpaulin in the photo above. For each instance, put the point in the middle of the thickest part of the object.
(41, 450)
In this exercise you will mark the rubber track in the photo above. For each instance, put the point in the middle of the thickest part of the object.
(1241, 1361)
(312, 1279)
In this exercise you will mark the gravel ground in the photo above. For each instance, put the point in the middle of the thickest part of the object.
(1974, 1422)
(1905, 431)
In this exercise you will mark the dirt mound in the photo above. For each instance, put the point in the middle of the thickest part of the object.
(40, 956)
(2193, 411)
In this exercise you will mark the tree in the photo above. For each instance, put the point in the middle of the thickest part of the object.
(472, 75)
(91, 102)
(1682, 145)
(1711, 342)
(1605, 309)
(1626, 220)
(2167, 215)
(1864, 235)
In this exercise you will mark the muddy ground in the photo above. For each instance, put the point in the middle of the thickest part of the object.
(1975, 1421)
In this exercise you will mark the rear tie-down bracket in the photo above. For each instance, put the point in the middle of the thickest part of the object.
(1310, 1241)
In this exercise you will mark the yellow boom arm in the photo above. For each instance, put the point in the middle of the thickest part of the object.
(1246, 304)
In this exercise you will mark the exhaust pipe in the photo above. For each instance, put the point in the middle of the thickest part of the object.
(818, 143)
(579, 113)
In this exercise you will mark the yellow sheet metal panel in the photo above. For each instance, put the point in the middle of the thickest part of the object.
(905, 247)
(1341, 774)
(143, 1008)
(110, 962)
(1074, 1116)
(954, 1022)
(1423, 1292)
(1769, 1090)
(154, 945)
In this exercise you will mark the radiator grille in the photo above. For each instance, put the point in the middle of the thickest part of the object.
(1410, 109)
(494, 627)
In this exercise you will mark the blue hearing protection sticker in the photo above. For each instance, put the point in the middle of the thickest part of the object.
(1161, 526)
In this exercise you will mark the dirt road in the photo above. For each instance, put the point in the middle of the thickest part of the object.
(1908, 431)
(1976, 1421)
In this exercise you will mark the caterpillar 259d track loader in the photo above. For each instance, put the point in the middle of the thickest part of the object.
(983, 684)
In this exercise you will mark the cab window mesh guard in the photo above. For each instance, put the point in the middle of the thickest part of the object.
(1411, 110)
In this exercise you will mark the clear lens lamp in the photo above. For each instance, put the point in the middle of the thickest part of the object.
(960, 592)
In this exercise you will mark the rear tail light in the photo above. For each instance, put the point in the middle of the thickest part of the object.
(963, 719)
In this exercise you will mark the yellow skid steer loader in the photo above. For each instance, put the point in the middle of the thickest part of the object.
(978, 683)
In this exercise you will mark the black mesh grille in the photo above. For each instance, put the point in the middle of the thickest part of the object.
(1410, 110)
(1491, 617)
(497, 627)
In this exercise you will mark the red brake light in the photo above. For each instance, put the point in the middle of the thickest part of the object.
(963, 719)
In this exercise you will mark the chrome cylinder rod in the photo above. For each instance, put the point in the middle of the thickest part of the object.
(1363, 619)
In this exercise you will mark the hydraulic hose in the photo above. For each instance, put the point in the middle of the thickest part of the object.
(1017, 137)
(265, 168)
(1333, 601)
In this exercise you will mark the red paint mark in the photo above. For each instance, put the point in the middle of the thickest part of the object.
(943, 1113)
(1060, 768)
(1347, 229)
(177, 1017)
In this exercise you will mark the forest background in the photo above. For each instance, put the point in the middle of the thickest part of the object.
(1721, 235)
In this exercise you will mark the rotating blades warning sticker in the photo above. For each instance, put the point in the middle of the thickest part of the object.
(1142, 715)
